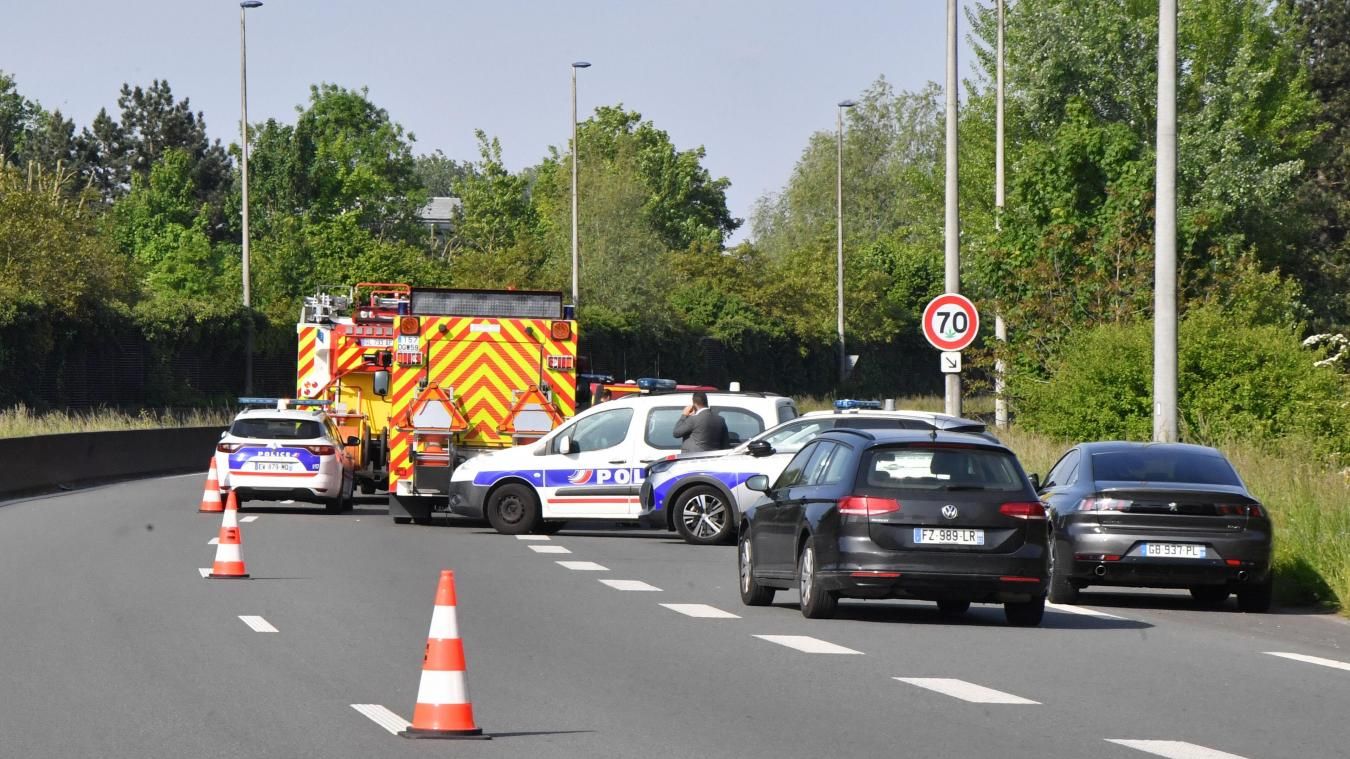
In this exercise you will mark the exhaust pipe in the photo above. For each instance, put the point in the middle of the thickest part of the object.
(1100, 570)
(1242, 576)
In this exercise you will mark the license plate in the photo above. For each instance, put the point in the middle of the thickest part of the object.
(1174, 550)
(948, 536)
(271, 466)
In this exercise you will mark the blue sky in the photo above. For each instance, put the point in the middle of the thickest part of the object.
(750, 80)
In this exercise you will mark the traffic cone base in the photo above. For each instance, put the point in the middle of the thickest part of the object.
(443, 708)
(211, 503)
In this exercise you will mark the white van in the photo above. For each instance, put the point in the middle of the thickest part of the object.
(592, 466)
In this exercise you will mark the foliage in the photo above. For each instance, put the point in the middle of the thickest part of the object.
(437, 174)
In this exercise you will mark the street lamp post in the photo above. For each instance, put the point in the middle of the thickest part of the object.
(243, 153)
(839, 228)
(575, 255)
(952, 225)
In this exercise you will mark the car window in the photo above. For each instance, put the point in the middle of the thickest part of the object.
(796, 468)
(741, 425)
(600, 431)
(817, 465)
(1163, 465)
(837, 468)
(660, 431)
(1065, 472)
(786, 412)
(920, 468)
(277, 429)
(794, 435)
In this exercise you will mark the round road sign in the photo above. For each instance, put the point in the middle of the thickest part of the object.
(950, 322)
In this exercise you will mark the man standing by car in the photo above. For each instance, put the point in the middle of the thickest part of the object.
(699, 428)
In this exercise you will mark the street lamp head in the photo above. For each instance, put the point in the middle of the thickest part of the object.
(847, 103)
(251, 4)
(581, 65)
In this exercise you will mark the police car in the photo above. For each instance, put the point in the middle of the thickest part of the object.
(592, 466)
(701, 496)
(292, 451)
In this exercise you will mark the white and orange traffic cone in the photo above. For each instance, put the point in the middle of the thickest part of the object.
(229, 564)
(211, 500)
(443, 708)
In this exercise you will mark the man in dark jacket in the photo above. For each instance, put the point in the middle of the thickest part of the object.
(700, 428)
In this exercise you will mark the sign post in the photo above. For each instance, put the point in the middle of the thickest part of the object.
(950, 322)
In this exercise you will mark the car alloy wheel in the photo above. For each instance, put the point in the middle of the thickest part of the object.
(817, 603)
(704, 518)
(752, 593)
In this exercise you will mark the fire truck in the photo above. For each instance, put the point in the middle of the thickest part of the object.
(426, 377)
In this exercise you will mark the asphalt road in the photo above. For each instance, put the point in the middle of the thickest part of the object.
(112, 645)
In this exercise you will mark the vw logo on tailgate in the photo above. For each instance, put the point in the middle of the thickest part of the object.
(949, 511)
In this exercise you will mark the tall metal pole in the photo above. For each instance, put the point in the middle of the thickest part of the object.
(575, 149)
(1000, 328)
(839, 249)
(1165, 233)
(951, 230)
(243, 168)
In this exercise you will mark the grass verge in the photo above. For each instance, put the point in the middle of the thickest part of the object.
(21, 421)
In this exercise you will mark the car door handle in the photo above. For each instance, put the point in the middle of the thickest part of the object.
(620, 461)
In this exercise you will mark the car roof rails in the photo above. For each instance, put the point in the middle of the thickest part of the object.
(851, 431)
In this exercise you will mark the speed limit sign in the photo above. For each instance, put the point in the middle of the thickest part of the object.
(950, 322)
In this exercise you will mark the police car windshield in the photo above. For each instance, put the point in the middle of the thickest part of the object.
(277, 429)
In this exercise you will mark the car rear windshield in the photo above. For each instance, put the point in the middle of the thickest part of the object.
(941, 468)
(277, 429)
(1163, 465)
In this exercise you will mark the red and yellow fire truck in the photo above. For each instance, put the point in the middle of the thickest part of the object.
(424, 377)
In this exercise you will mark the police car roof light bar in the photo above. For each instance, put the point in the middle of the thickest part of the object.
(847, 403)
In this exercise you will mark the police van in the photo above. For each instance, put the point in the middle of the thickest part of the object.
(592, 467)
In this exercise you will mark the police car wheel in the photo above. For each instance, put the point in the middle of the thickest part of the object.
(513, 509)
(703, 516)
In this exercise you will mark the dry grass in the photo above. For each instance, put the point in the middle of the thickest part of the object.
(21, 421)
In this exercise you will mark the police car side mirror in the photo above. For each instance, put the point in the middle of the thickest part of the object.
(223, 433)
(567, 445)
(1035, 481)
(758, 483)
(381, 383)
(760, 448)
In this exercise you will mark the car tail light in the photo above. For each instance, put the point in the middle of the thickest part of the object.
(1096, 557)
(867, 506)
(321, 450)
(228, 447)
(1099, 503)
(1252, 510)
(1030, 510)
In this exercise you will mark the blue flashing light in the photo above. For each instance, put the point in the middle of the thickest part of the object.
(844, 404)
(290, 402)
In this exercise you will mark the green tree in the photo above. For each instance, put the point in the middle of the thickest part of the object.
(438, 175)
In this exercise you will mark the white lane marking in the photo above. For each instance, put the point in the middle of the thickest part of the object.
(975, 694)
(204, 571)
(583, 566)
(383, 717)
(701, 611)
(1312, 660)
(533, 537)
(213, 542)
(258, 624)
(549, 549)
(807, 644)
(253, 518)
(629, 585)
(1175, 749)
(1082, 610)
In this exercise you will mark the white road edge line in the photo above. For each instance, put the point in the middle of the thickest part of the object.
(549, 549)
(257, 623)
(1311, 660)
(975, 694)
(213, 542)
(533, 537)
(253, 518)
(807, 644)
(383, 717)
(583, 566)
(1174, 749)
(204, 571)
(630, 585)
(1082, 610)
(701, 611)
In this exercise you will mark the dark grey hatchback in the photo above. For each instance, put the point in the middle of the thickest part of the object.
(1166, 515)
(945, 517)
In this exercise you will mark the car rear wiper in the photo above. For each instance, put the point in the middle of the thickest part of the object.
(967, 487)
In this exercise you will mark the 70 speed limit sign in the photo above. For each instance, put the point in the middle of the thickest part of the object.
(950, 322)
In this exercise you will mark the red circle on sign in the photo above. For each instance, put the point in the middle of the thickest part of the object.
(945, 337)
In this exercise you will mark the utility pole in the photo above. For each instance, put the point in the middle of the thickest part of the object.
(1165, 233)
(839, 228)
(576, 257)
(1000, 328)
(952, 228)
(243, 168)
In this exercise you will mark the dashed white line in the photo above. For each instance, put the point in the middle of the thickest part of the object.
(583, 566)
(975, 694)
(549, 549)
(383, 717)
(253, 518)
(1175, 749)
(213, 542)
(701, 611)
(204, 571)
(630, 585)
(1312, 660)
(807, 644)
(533, 537)
(1082, 610)
(258, 624)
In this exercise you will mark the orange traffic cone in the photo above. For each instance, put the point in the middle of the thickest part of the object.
(443, 709)
(229, 564)
(211, 500)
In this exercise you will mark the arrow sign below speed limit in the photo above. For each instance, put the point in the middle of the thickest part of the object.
(950, 322)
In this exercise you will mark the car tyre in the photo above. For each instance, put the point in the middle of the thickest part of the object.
(367, 487)
(953, 608)
(817, 603)
(1210, 595)
(1256, 599)
(1025, 613)
(343, 501)
(513, 509)
(752, 593)
(1062, 589)
(703, 516)
(551, 528)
